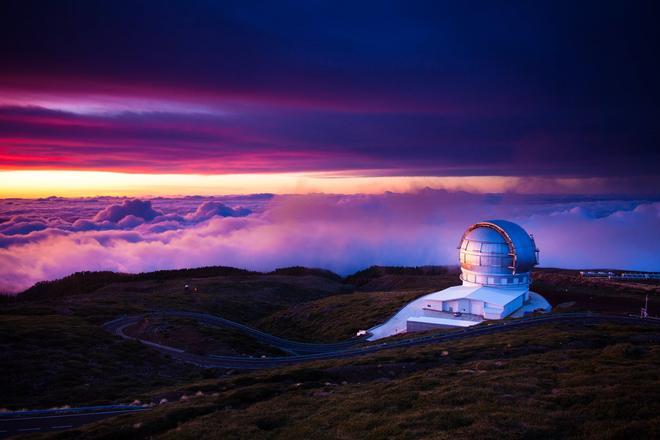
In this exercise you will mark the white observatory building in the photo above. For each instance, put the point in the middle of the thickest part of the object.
(496, 258)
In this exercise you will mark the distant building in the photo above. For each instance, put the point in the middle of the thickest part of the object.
(496, 258)
(640, 276)
(621, 276)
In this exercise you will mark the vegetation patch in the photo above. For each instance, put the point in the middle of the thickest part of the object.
(196, 337)
(485, 387)
(62, 360)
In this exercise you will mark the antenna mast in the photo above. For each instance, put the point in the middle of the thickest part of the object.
(645, 309)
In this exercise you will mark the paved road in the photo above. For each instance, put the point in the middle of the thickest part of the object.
(44, 421)
(286, 345)
(25, 423)
(309, 352)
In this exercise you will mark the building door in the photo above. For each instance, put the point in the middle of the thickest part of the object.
(464, 305)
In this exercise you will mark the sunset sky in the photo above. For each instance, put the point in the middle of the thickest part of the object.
(347, 133)
(295, 96)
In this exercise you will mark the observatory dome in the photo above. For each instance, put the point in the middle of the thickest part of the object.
(497, 252)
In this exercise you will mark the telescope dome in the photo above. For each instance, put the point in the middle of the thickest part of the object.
(497, 252)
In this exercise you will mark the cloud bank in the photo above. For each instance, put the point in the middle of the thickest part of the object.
(50, 238)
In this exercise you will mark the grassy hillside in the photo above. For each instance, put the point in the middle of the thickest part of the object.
(55, 360)
(239, 296)
(196, 337)
(385, 278)
(568, 381)
(80, 283)
(566, 287)
(335, 318)
(379, 293)
(54, 352)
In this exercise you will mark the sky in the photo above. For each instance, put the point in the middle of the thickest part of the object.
(533, 111)
(315, 91)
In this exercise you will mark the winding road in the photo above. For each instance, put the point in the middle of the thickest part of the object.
(26, 422)
(293, 347)
(302, 352)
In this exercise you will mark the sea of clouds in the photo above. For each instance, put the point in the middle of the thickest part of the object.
(43, 239)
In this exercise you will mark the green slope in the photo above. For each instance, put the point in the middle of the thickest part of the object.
(567, 381)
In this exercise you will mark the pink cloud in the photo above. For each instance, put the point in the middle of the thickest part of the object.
(135, 208)
(210, 209)
(340, 233)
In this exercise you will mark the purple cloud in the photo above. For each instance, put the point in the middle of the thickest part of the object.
(211, 209)
(20, 226)
(90, 225)
(341, 233)
(135, 208)
(130, 221)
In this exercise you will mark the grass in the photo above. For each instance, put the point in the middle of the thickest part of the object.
(53, 351)
(56, 360)
(81, 283)
(532, 383)
(195, 337)
(240, 297)
(335, 318)
(560, 286)
(568, 381)
(339, 317)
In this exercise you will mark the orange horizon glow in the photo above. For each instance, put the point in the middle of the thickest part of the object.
(70, 183)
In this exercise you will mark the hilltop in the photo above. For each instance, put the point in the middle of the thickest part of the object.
(54, 352)
(552, 381)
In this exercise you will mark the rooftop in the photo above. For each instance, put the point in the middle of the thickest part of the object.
(476, 292)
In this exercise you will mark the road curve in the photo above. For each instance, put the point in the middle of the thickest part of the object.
(302, 352)
(28, 422)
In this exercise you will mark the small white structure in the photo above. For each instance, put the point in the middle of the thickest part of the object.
(496, 258)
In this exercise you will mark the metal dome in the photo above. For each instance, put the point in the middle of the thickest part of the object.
(497, 252)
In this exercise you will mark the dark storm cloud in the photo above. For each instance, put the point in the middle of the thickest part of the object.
(549, 88)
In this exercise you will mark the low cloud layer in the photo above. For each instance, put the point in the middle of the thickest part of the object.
(50, 238)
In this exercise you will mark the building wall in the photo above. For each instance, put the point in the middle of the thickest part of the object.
(412, 326)
(493, 312)
(433, 304)
(513, 306)
(457, 305)
(450, 306)
(497, 280)
(477, 307)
